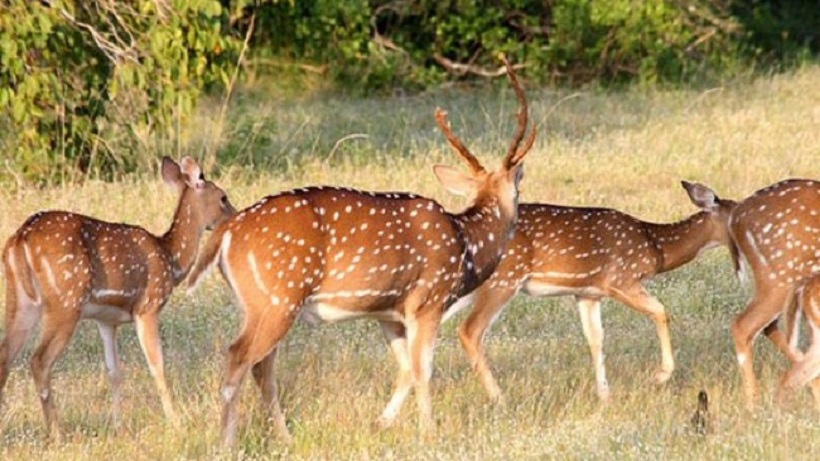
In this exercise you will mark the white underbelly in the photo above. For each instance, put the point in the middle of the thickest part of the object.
(535, 288)
(313, 312)
(106, 314)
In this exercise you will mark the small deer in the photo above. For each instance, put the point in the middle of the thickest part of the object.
(776, 235)
(592, 253)
(64, 267)
(333, 254)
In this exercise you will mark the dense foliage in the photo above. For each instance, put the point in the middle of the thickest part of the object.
(84, 85)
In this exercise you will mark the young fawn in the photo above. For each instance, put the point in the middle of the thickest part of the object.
(592, 253)
(336, 254)
(64, 267)
(776, 233)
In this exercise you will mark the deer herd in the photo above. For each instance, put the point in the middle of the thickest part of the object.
(332, 254)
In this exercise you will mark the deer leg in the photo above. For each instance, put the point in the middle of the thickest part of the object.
(263, 374)
(807, 370)
(21, 318)
(640, 300)
(489, 304)
(396, 336)
(108, 334)
(590, 312)
(57, 332)
(772, 331)
(762, 311)
(263, 330)
(421, 334)
(148, 333)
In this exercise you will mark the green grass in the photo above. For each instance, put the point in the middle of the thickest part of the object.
(623, 150)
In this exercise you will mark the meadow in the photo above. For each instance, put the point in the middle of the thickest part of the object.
(627, 150)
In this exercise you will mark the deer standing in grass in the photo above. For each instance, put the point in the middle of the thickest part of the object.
(592, 253)
(337, 254)
(776, 232)
(64, 267)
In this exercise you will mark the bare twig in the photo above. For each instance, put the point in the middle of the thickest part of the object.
(462, 69)
(115, 52)
(341, 140)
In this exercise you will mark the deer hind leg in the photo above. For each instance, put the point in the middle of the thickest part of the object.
(759, 314)
(489, 304)
(22, 316)
(590, 312)
(265, 326)
(147, 325)
(421, 334)
(263, 374)
(396, 336)
(108, 334)
(58, 328)
(640, 300)
(807, 369)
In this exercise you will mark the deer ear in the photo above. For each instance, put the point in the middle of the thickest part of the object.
(702, 196)
(455, 181)
(171, 173)
(194, 177)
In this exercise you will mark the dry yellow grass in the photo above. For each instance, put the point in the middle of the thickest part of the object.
(623, 150)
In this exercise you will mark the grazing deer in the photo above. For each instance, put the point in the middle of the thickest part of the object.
(776, 234)
(65, 267)
(592, 253)
(336, 254)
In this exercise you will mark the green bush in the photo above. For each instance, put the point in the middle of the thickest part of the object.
(85, 85)
(382, 44)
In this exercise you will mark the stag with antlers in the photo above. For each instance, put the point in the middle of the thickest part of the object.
(776, 233)
(336, 254)
(592, 253)
(64, 267)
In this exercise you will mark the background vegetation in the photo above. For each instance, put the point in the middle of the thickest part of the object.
(626, 150)
(96, 88)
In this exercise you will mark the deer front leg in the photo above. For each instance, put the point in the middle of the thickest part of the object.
(396, 336)
(590, 312)
(489, 304)
(108, 334)
(421, 334)
(148, 333)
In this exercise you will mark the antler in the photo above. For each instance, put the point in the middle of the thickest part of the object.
(458, 146)
(514, 155)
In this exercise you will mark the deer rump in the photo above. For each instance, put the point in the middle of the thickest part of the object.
(336, 254)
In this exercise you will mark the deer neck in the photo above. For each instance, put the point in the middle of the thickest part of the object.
(182, 241)
(485, 230)
(682, 241)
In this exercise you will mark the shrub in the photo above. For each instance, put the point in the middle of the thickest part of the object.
(85, 84)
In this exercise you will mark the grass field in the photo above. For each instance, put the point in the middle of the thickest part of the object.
(625, 150)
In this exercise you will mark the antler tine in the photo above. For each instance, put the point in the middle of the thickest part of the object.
(527, 146)
(513, 154)
(458, 146)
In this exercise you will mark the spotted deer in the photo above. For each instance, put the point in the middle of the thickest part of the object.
(64, 267)
(333, 254)
(592, 253)
(776, 233)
